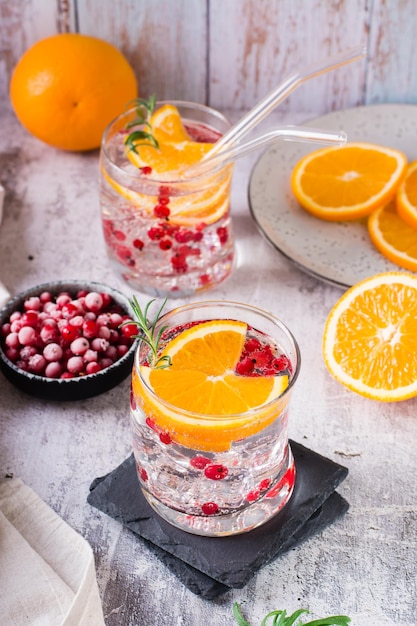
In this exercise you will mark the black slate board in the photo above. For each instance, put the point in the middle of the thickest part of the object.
(209, 566)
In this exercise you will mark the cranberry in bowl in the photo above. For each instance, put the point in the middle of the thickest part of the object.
(67, 340)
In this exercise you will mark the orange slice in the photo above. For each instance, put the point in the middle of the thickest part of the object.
(199, 399)
(176, 149)
(167, 125)
(393, 237)
(407, 196)
(203, 206)
(370, 337)
(170, 157)
(347, 182)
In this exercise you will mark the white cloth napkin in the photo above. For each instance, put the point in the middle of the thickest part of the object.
(47, 571)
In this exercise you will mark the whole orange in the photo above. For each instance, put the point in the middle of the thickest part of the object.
(65, 89)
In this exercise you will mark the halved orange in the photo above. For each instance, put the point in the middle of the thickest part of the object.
(407, 196)
(347, 182)
(393, 237)
(370, 337)
(199, 399)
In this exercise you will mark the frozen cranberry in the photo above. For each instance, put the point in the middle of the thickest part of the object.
(80, 345)
(53, 370)
(99, 344)
(93, 367)
(90, 356)
(75, 364)
(49, 332)
(37, 364)
(12, 354)
(63, 299)
(33, 303)
(53, 352)
(69, 310)
(5, 329)
(77, 321)
(45, 297)
(121, 350)
(28, 336)
(94, 301)
(104, 332)
(105, 362)
(27, 351)
(12, 340)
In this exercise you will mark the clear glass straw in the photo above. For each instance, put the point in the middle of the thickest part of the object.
(275, 97)
(286, 133)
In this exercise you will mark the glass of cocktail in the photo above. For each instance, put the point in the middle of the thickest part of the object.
(209, 413)
(167, 231)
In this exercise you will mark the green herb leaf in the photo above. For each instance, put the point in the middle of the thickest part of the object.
(147, 331)
(144, 110)
(238, 616)
(280, 618)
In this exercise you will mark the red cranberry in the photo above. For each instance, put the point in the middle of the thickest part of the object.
(129, 330)
(165, 244)
(216, 472)
(199, 462)
(70, 333)
(245, 366)
(161, 211)
(138, 243)
(209, 508)
(165, 438)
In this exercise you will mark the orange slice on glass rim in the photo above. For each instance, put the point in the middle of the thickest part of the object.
(347, 182)
(370, 337)
(176, 149)
(200, 400)
(393, 237)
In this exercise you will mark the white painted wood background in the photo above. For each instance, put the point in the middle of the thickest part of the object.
(230, 53)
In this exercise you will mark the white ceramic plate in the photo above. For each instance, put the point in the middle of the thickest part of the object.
(340, 253)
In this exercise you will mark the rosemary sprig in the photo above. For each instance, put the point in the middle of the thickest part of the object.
(280, 618)
(144, 110)
(148, 330)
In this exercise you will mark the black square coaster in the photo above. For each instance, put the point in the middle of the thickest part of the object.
(210, 566)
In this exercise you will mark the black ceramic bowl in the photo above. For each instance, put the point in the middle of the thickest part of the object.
(79, 387)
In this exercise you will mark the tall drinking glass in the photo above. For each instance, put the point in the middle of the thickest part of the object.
(166, 234)
(210, 430)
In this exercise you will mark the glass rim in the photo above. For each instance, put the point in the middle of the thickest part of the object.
(192, 415)
(157, 181)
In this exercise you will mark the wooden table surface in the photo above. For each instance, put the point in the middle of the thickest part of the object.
(364, 565)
